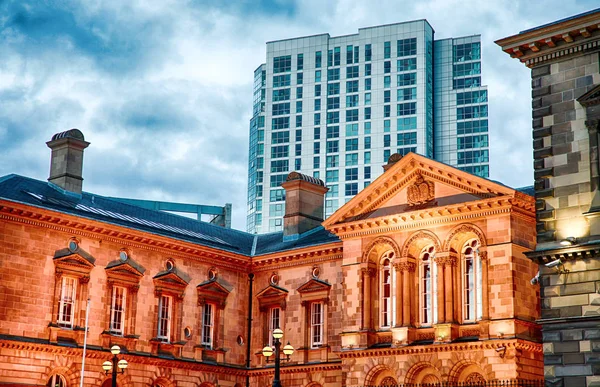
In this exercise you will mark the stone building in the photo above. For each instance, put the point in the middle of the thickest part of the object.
(564, 61)
(420, 278)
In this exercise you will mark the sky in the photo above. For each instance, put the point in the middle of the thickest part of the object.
(163, 89)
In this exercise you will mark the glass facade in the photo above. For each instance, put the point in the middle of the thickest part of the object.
(352, 101)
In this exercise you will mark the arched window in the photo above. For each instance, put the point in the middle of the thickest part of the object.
(388, 300)
(472, 282)
(56, 381)
(428, 286)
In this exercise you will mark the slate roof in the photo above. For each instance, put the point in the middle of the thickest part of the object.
(42, 194)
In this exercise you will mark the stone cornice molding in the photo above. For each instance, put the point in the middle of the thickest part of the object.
(309, 255)
(132, 359)
(519, 344)
(536, 46)
(435, 216)
(564, 254)
(300, 368)
(82, 226)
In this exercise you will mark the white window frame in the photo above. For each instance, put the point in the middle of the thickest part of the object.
(208, 325)
(164, 318)
(68, 297)
(118, 308)
(472, 282)
(274, 322)
(387, 313)
(317, 319)
(428, 299)
(57, 381)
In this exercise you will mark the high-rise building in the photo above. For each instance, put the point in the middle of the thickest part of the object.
(336, 108)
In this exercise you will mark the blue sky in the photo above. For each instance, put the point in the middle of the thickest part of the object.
(163, 90)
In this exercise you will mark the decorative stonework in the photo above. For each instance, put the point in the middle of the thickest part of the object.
(421, 192)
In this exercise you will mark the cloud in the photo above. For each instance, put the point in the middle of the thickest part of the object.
(163, 90)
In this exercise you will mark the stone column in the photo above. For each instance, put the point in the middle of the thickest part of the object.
(367, 274)
(485, 312)
(407, 269)
(399, 293)
(441, 299)
(449, 287)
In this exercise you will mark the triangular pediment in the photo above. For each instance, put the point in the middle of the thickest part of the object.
(590, 98)
(78, 260)
(272, 291)
(213, 287)
(272, 296)
(314, 285)
(173, 280)
(415, 183)
(127, 268)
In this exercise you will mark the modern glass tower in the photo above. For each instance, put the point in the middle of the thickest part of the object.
(337, 107)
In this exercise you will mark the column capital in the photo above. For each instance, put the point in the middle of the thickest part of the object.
(405, 266)
(447, 260)
(368, 271)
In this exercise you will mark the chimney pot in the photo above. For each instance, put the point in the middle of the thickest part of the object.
(304, 204)
(66, 161)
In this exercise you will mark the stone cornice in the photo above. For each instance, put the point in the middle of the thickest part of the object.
(124, 236)
(533, 47)
(435, 216)
(520, 344)
(564, 254)
(132, 359)
(308, 255)
(298, 368)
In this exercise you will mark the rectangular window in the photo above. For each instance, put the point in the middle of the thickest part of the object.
(367, 172)
(386, 155)
(317, 104)
(368, 53)
(386, 126)
(317, 119)
(475, 156)
(333, 191)
(409, 123)
(351, 86)
(333, 146)
(463, 69)
(368, 142)
(299, 92)
(299, 78)
(367, 99)
(349, 54)
(471, 127)
(318, 58)
(277, 195)
(367, 128)
(367, 70)
(317, 90)
(407, 94)
(470, 97)
(406, 64)
(333, 161)
(333, 103)
(406, 109)
(317, 133)
(387, 50)
(386, 110)
(405, 151)
(280, 123)
(164, 318)
(317, 148)
(351, 130)
(367, 83)
(316, 324)
(387, 81)
(280, 137)
(387, 67)
(333, 88)
(351, 159)
(299, 135)
(352, 100)
(467, 112)
(465, 83)
(352, 72)
(407, 79)
(207, 325)
(298, 164)
(351, 174)
(300, 62)
(333, 75)
(336, 56)
(356, 50)
(318, 76)
(333, 117)
(299, 120)
(279, 151)
(316, 162)
(277, 180)
(279, 166)
(367, 113)
(298, 107)
(281, 108)
(386, 140)
(352, 115)
(281, 95)
(407, 138)
(298, 149)
(66, 307)
(407, 47)
(467, 51)
(282, 64)
(351, 144)
(332, 176)
(274, 323)
(477, 141)
(281, 80)
(117, 310)
(351, 189)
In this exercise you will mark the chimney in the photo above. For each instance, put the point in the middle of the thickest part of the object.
(66, 161)
(393, 159)
(304, 204)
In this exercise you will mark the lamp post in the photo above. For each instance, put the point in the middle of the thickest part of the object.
(288, 350)
(108, 365)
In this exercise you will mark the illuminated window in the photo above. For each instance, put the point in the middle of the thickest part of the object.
(472, 282)
(428, 286)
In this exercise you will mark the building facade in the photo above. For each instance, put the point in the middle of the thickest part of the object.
(336, 108)
(564, 58)
(420, 278)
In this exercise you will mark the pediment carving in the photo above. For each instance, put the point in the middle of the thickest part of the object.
(272, 296)
(420, 192)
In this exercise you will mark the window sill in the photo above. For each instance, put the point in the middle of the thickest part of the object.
(159, 346)
(206, 354)
(58, 333)
(128, 342)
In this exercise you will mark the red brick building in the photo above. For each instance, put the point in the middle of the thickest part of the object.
(420, 278)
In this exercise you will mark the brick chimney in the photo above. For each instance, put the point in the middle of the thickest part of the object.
(304, 204)
(66, 161)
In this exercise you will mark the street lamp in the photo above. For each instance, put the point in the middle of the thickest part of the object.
(114, 364)
(267, 351)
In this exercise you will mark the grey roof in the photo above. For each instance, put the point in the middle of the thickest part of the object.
(561, 20)
(42, 194)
